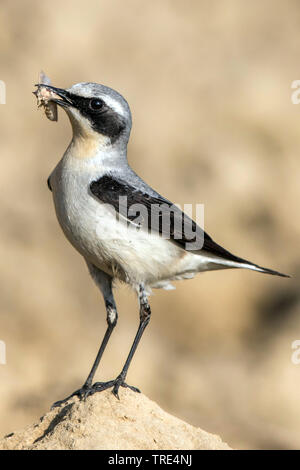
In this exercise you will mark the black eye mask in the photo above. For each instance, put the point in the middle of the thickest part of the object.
(102, 118)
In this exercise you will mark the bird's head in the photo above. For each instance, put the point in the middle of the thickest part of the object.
(97, 113)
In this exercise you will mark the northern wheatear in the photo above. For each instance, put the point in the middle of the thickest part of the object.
(94, 190)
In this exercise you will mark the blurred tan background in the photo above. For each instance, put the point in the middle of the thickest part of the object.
(209, 85)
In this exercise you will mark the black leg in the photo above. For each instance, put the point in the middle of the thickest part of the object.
(112, 317)
(145, 313)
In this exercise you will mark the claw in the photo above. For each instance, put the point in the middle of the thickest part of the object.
(134, 389)
(115, 392)
(81, 393)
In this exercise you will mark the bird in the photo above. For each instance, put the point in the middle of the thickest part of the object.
(124, 229)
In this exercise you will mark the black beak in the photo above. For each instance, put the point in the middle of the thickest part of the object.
(63, 94)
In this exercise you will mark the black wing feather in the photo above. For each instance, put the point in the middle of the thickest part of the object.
(109, 189)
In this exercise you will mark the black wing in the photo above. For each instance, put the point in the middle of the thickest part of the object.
(180, 229)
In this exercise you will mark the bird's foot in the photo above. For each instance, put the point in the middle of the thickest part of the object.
(87, 390)
(115, 385)
(82, 393)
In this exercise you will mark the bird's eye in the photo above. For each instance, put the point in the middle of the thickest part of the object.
(96, 104)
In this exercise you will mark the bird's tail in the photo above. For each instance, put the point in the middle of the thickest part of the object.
(224, 259)
(233, 261)
(260, 269)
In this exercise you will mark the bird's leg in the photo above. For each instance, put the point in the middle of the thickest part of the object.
(145, 313)
(112, 317)
(105, 284)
